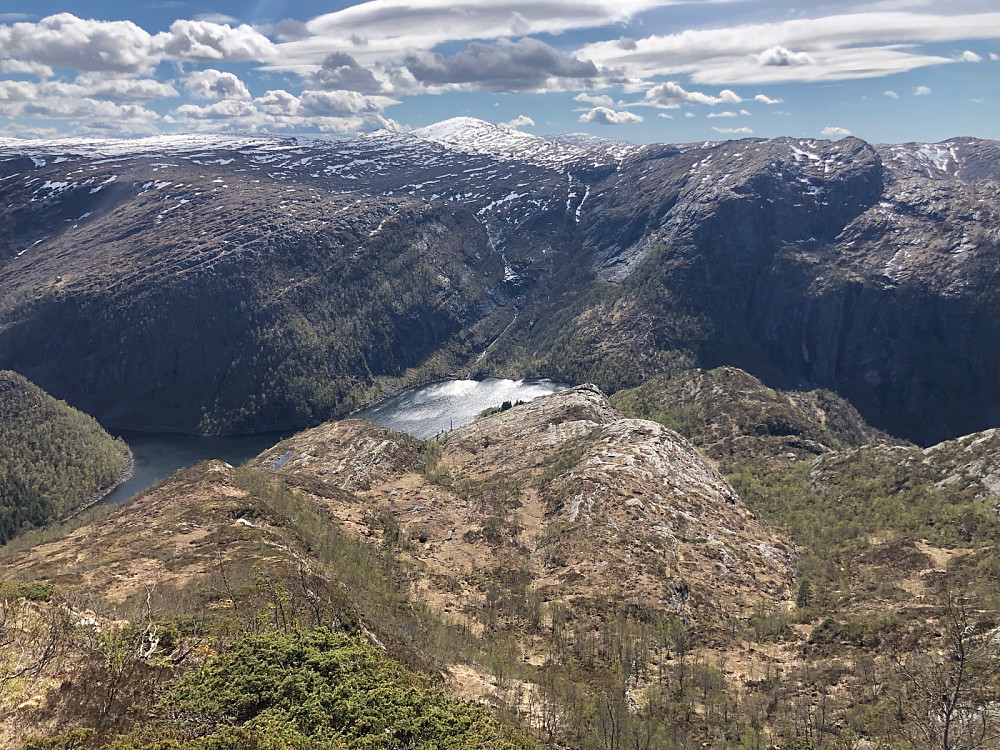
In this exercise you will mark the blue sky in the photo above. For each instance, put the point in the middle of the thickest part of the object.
(639, 70)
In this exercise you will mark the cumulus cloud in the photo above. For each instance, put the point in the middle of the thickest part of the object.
(734, 131)
(25, 67)
(227, 109)
(767, 100)
(781, 57)
(891, 94)
(671, 95)
(215, 84)
(921, 91)
(123, 89)
(994, 56)
(600, 100)
(52, 99)
(831, 130)
(341, 103)
(207, 41)
(969, 56)
(340, 71)
(279, 111)
(721, 114)
(525, 65)
(605, 116)
(65, 41)
(521, 121)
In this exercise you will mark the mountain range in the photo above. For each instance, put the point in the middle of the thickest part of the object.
(224, 284)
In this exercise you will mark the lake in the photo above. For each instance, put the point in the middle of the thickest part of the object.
(421, 411)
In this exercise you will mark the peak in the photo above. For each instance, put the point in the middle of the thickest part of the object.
(462, 129)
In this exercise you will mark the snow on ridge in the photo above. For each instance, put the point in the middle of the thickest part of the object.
(174, 143)
(472, 136)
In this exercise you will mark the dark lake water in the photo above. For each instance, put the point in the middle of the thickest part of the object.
(421, 411)
(158, 455)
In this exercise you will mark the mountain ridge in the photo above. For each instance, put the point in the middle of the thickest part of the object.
(786, 257)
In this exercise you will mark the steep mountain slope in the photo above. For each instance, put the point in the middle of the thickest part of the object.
(53, 459)
(868, 270)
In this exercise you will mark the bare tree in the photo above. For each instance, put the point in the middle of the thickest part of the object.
(949, 696)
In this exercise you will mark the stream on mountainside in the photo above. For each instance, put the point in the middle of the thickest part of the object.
(422, 411)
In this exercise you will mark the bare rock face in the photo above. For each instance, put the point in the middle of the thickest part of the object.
(579, 502)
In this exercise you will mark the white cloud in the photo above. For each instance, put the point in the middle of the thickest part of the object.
(847, 46)
(994, 56)
(835, 131)
(969, 56)
(891, 94)
(671, 95)
(721, 114)
(279, 111)
(215, 18)
(665, 116)
(207, 41)
(767, 100)
(734, 131)
(778, 56)
(67, 101)
(601, 100)
(341, 103)
(605, 116)
(921, 91)
(215, 84)
(123, 89)
(744, 113)
(384, 30)
(25, 67)
(227, 109)
(521, 121)
(65, 41)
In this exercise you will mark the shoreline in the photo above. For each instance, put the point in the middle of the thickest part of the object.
(97, 495)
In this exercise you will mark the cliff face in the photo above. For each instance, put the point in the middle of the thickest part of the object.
(238, 307)
(225, 284)
(867, 270)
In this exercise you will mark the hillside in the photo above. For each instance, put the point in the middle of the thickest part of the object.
(589, 575)
(53, 458)
(515, 576)
(320, 275)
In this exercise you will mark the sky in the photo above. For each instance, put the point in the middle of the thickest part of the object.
(888, 71)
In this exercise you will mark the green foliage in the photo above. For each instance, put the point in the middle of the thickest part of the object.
(52, 457)
(34, 591)
(320, 689)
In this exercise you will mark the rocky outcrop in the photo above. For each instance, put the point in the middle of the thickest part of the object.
(584, 502)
